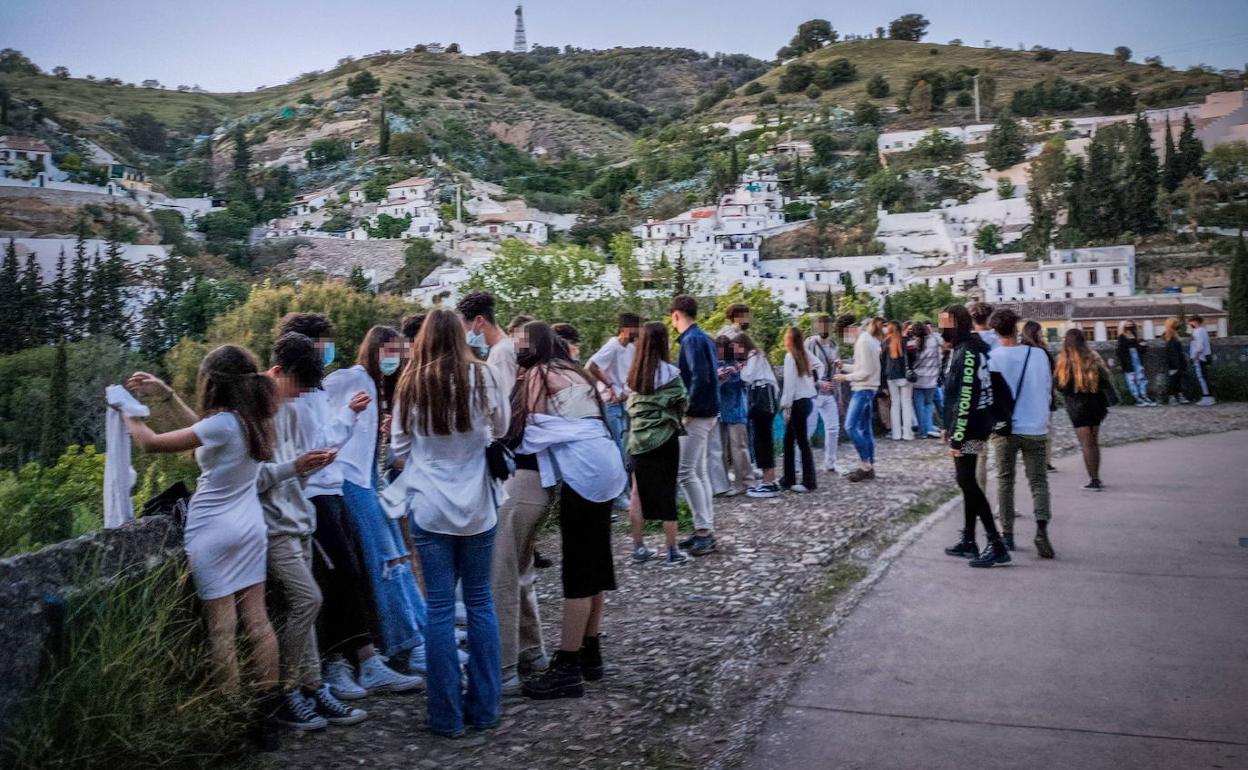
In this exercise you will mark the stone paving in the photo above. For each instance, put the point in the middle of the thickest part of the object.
(697, 655)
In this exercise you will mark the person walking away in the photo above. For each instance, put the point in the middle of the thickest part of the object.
(969, 420)
(448, 409)
(863, 375)
(558, 418)
(822, 348)
(1033, 336)
(699, 369)
(226, 540)
(762, 401)
(309, 704)
(1026, 372)
(399, 607)
(610, 366)
(1086, 388)
(347, 622)
(656, 410)
(899, 360)
(796, 398)
(1201, 352)
(1131, 359)
(1176, 362)
(927, 375)
(733, 424)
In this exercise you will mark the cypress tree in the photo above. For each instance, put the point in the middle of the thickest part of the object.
(55, 436)
(58, 302)
(1191, 152)
(78, 321)
(680, 283)
(383, 132)
(1237, 295)
(734, 165)
(1143, 177)
(112, 275)
(1077, 204)
(1005, 146)
(33, 305)
(889, 311)
(10, 300)
(799, 175)
(1102, 198)
(1170, 169)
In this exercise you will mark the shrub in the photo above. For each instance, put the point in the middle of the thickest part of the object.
(754, 87)
(813, 91)
(877, 87)
(767, 98)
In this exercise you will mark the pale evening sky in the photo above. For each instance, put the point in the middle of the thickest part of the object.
(227, 45)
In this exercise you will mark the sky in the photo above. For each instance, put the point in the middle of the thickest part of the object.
(238, 45)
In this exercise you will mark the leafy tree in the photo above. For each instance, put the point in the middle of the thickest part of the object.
(362, 84)
(796, 77)
(624, 255)
(1191, 151)
(1005, 188)
(55, 435)
(825, 147)
(328, 151)
(938, 146)
(1046, 194)
(811, 36)
(877, 86)
(1122, 54)
(813, 92)
(1228, 162)
(753, 87)
(837, 71)
(61, 73)
(386, 226)
(867, 114)
(988, 238)
(920, 98)
(922, 302)
(1115, 100)
(911, 26)
(191, 178)
(1237, 295)
(1006, 144)
(886, 188)
(409, 144)
(17, 63)
(419, 260)
(146, 132)
(1142, 176)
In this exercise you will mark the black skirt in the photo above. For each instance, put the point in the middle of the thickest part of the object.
(1086, 410)
(585, 539)
(655, 473)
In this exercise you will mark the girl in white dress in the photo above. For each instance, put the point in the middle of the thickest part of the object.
(226, 538)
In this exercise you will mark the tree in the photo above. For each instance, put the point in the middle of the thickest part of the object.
(108, 290)
(386, 226)
(911, 26)
(1143, 175)
(358, 281)
(938, 146)
(80, 284)
(409, 144)
(624, 255)
(889, 311)
(866, 114)
(59, 301)
(1228, 162)
(988, 238)
(796, 77)
(1237, 294)
(326, 152)
(10, 300)
(921, 302)
(55, 434)
(824, 146)
(1006, 146)
(1102, 201)
(811, 36)
(61, 72)
(383, 132)
(877, 86)
(33, 305)
(920, 99)
(1191, 151)
(1005, 188)
(17, 63)
(1122, 54)
(1170, 172)
(419, 260)
(1046, 194)
(146, 132)
(362, 84)
(734, 163)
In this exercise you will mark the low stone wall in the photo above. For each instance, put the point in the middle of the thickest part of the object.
(1227, 351)
(33, 588)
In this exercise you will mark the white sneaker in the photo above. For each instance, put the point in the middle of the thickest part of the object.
(799, 489)
(1206, 401)
(376, 676)
(337, 673)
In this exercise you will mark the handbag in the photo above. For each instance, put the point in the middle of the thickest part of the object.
(1005, 418)
(500, 460)
(763, 399)
(171, 502)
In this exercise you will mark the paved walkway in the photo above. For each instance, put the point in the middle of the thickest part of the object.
(1127, 651)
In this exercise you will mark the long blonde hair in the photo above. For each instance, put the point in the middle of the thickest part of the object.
(1172, 329)
(1078, 366)
(1122, 328)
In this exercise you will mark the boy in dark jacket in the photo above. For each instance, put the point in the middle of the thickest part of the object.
(699, 369)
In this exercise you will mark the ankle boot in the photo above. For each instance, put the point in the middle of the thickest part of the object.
(965, 547)
(562, 680)
(591, 659)
(994, 553)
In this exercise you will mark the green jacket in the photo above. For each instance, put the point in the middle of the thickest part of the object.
(655, 418)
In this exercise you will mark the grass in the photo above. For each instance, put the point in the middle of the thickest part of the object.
(129, 686)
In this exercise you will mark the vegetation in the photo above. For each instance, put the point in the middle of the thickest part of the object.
(1006, 143)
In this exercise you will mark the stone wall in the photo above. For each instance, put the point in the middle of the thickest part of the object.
(33, 588)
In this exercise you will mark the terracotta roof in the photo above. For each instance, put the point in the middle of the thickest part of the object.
(507, 216)
(24, 143)
(703, 213)
(1015, 265)
(416, 181)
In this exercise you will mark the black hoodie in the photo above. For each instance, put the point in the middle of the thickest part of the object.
(968, 411)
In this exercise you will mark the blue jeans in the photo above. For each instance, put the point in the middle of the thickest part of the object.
(617, 423)
(858, 424)
(445, 561)
(400, 608)
(924, 401)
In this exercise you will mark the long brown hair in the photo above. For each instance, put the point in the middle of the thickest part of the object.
(893, 338)
(793, 344)
(1172, 329)
(1078, 365)
(543, 352)
(369, 357)
(653, 348)
(434, 388)
(1033, 335)
(230, 381)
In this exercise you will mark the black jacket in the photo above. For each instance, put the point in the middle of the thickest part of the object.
(699, 368)
(895, 368)
(968, 414)
(1176, 359)
(1125, 344)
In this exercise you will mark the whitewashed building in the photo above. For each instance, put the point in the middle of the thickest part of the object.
(310, 202)
(1100, 272)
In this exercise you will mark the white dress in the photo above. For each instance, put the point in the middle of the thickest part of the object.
(226, 540)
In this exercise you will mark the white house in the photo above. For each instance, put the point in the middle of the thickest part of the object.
(308, 203)
(950, 231)
(356, 195)
(414, 188)
(1107, 271)
(18, 151)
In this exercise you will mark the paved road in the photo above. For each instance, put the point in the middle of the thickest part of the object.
(1130, 650)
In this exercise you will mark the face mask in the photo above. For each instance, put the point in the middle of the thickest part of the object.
(476, 340)
(389, 364)
(745, 325)
(327, 354)
(823, 335)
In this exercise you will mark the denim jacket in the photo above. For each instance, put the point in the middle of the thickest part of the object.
(699, 368)
(732, 409)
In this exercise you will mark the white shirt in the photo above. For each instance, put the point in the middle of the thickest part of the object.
(798, 385)
(614, 360)
(757, 369)
(323, 426)
(445, 484)
(503, 358)
(1031, 401)
(356, 457)
(1200, 348)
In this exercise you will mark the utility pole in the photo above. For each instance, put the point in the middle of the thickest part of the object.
(976, 98)
(459, 217)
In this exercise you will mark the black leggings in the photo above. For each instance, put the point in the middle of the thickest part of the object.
(764, 444)
(976, 502)
(346, 619)
(795, 433)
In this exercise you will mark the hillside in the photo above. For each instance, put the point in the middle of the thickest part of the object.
(897, 60)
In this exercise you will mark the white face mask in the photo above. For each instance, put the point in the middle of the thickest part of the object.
(389, 364)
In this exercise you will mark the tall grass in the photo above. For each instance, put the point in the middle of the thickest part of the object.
(130, 685)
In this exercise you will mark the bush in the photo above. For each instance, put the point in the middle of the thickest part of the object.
(754, 87)
(813, 91)
(877, 87)
(363, 83)
(964, 99)
(767, 98)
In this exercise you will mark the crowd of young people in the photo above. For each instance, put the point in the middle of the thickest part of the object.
(389, 502)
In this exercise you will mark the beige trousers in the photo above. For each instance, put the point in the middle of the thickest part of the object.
(515, 599)
(290, 568)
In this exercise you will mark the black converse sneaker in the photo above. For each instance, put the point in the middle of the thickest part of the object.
(299, 713)
(333, 710)
(994, 553)
(562, 680)
(965, 548)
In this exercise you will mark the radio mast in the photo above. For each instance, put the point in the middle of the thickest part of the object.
(521, 45)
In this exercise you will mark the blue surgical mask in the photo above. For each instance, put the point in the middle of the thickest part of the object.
(476, 340)
(389, 365)
(327, 354)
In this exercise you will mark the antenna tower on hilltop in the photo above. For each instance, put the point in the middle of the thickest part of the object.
(521, 45)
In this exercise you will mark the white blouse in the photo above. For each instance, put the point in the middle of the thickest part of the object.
(798, 385)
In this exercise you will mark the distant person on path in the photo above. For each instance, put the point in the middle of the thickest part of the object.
(899, 360)
(823, 348)
(969, 420)
(610, 366)
(1026, 372)
(927, 377)
(762, 401)
(1085, 385)
(1131, 359)
(699, 368)
(1200, 352)
(1176, 362)
(656, 409)
(796, 398)
(1033, 335)
(863, 376)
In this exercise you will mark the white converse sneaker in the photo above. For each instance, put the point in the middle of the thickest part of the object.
(340, 677)
(376, 676)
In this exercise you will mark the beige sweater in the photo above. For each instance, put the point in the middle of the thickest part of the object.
(864, 373)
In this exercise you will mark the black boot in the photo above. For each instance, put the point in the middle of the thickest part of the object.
(264, 731)
(591, 660)
(966, 547)
(562, 680)
(994, 553)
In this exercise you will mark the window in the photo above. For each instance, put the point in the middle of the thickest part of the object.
(1052, 276)
(1117, 276)
(999, 289)
(1020, 285)
(816, 277)
(1050, 334)
(1070, 279)
(1111, 332)
(1093, 278)
(1031, 281)
(1089, 333)
(1091, 294)
(1109, 294)
(1067, 295)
